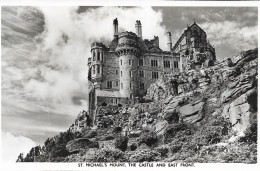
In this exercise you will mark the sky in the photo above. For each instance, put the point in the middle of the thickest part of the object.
(44, 53)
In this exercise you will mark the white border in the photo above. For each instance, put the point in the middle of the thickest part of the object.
(74, 166)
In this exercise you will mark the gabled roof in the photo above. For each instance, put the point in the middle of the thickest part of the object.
(184, 34)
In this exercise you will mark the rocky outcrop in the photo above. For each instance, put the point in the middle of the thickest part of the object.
(82, 121)
(79, 144)
(191, 113)
(239, 86)
(238, 111)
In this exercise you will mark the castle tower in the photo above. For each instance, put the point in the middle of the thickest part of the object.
(138, 28)
(169, 41)
(115, 24)
(97, 58)
(128, 51)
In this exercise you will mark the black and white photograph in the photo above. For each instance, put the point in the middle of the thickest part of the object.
(120, 84)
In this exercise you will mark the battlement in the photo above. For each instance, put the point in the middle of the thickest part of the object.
(97, 45)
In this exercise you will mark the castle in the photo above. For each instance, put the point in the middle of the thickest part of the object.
(123, 70)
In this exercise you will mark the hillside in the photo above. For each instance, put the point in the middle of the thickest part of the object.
(207, 115)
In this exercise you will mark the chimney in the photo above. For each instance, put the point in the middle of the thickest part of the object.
(169, 43)
(138, 28)
(115, 23)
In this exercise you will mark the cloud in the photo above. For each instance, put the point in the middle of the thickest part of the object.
(44, 72)
(232, 34)
(12, 146)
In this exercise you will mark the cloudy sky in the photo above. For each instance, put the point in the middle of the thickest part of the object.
(44, 57)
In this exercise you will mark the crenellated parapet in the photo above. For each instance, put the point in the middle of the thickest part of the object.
(127, 44)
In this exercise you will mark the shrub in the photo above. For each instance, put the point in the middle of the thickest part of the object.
(133, 147)
(109, 155)
(174, 147)
(145, 155)
(250, 134)
(121, 143)
(171, 117)
(148, 137)
(117, 129)
(59, 151)
(163, 150)
(180, 130)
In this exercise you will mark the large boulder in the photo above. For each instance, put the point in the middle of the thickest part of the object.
(239, 111)
(79, 144)
(191, 113)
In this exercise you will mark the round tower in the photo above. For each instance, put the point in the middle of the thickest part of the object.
(97, 58)
(128, 51)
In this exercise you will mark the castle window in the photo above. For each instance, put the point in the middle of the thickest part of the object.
(155, 75)
(122, 86)
(166, 64)
(121, 73)
(130, 73)
(98, 56)
(154, 63)
(116, 101)
(129, 61)
(130, 85)
(101, 56)
(109, 84)
(176, 64)
(112, 101)
(98, 69)
(94, 69)
(141, 62)
(116, 72)
(121, 61)
(94, 56)
(141, 74)
(117, 83)
(141, 86)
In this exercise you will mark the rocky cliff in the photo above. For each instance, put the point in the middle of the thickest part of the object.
(206, 115)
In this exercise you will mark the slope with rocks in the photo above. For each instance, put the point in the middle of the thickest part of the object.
(206, 115)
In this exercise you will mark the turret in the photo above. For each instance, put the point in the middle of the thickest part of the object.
(96, 66)
(169, 41)
(138, 28)
(115, 23)
(128, 51)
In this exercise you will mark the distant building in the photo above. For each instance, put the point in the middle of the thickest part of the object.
(126, 67)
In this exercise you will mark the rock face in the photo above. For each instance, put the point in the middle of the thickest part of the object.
(191, 113)
(82, 121)
(78, 144)
(238, 112)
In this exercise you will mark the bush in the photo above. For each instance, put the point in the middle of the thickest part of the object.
(250, 134)
(145, 155)
(121, 143)
(109, 155)
(133, 147)
(148, 137)
(180, 130)
(175, 147)
(59, 151)
(163, 150)
(171, 117)
(117, 130)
